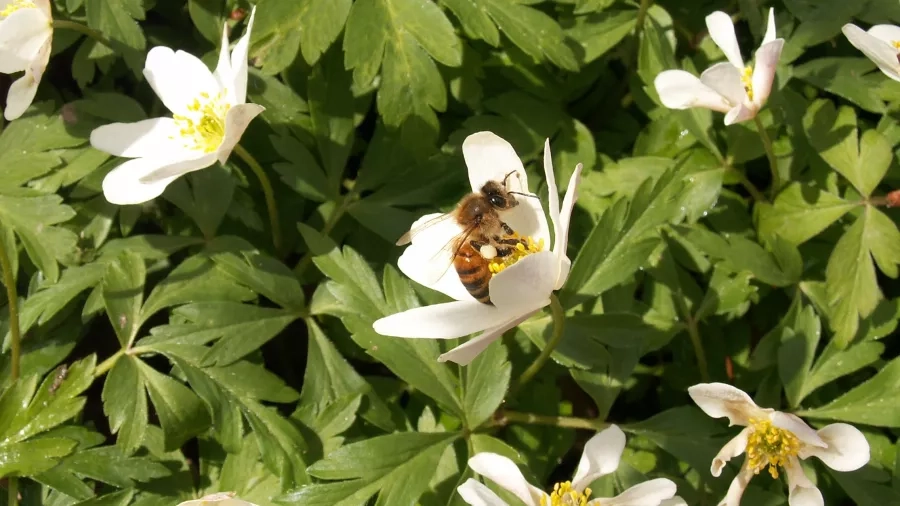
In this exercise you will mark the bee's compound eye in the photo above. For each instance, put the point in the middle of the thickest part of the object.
(488, 251)
(497, 201)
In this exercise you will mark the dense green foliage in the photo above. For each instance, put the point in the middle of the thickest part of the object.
(171, 349)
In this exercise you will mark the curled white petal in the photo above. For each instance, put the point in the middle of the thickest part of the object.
(441, 321)
(505, 473)
(737, 487)
(22, 35)
(879, 51)
(741, 112)
(220, 499)
(476, 494)
(237, 119)
(124, 185)
(600, 457)
(561, 242)
(22, 91)
(722, 400)
(847, 449)
(725, 79)
(721, 31)
(239, 61)
(792, 423)
(648, 493)
(552, 193)
(675, 501)
(801, 491)
(733, 448)
(770, 28)
(765, 64)
(465, 353)
(525, 285)
(678, 89)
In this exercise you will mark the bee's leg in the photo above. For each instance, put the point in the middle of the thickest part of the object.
(510, 241)
(506, 228)
(503, 252)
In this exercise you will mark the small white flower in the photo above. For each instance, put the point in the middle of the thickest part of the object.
(727, 87)
(772, 439)
(26, 31)
(221, 499)
(881, 44)
(516, 291)
(601, 457)
(209, 117)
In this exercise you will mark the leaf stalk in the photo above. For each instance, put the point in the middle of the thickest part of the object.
(269, 194)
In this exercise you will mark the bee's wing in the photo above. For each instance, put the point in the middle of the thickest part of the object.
(421, 225)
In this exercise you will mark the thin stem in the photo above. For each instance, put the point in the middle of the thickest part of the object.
(559, 322)
(641, 16)
(770, 154)
(9, 279)
(82, 29)
(269, 195)
(13, 497)
(694, 331)
(108, 364)
(750, 187)
(504, 418)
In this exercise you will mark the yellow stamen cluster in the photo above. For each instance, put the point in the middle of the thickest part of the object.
(521, 250)
(896, 44)
(770, 446)
(564, 495)
(16, 5)
(747, 80)
(203, 128)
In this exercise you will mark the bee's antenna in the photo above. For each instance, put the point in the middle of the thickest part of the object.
(525, 194)
(507, 176)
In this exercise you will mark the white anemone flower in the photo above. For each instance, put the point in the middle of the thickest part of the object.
(218, 499)
(209, 117)
(881, 44)
(774, 439)
(26, 32)
(524, 281)
(601, 457)
(730, 87)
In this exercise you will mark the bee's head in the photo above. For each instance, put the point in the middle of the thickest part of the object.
(497, 195)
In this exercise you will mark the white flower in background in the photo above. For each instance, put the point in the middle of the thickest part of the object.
(26, 31)
(209, 117)
(881, 44)
(221, 499)
(730, 87)
(601, 457)
(774, 439)
(518, 290)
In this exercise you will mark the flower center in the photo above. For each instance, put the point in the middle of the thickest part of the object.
(522, 249)
(16, 5)
(564, 495)
(769, 446)
(203, 127)
(747, 80)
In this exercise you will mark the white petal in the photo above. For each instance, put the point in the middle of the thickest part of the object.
(648, 493)
(22, 91)
(223, 73)
(490, 158)
(741, 112)
(678, 89)
(552, 193)
(178, 78)
(428, 260)
(441, 321)
(882, 53)
(887, 33)
(562, 236)
(236, 120)
(221, 499)
(725, 80)
(525, 285)
(146, 138)
(732, 449)
(22, 35)
(770, 28)
(719, 399)
(476, 494)
(802, 492)
(600, 457)
(44, 6)
(796, 426)
(675, 501)
(504, 472)
(764, 68)
(847, 448)
(721, 30)
(239, 61)
(737, 487)
(465, 353)
(123, 184)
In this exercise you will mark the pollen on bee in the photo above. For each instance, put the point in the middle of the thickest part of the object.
(526, 246)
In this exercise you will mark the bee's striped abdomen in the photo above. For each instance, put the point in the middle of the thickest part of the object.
(474, 273)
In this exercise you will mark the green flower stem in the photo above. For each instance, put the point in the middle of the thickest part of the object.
(559, 323)
(108, 364)
(13, 497)
(82, 29)
(504, 418)
(269, 194)
(694, 331)
(750, 187)
(641, 16)
(9, 279)
(770, 154)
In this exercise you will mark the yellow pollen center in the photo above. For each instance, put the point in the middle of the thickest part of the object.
(203, 127)
(16, 5)
(896, 44)
(525, 247)
(564, 495)
(770, 446)
(747, 80)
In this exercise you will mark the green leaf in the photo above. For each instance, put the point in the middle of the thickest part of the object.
(208, 17)
(40, 307)
(835, 363)
(123, 295)
(320, 22)
(600, 32)
(204, 196)
(125, 403)
(487, 379)
(401, 37)
(842, 77)
(32, 457)
(259, 272)
(834, 136)
(32, 218)
(796, 354)
(181, 413)
(801, 212)
(110, 465)
(852, 287)
(874, 402)
(301, 172)
(331, 108)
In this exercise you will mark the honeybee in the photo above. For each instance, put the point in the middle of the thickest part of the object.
(485, 235)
